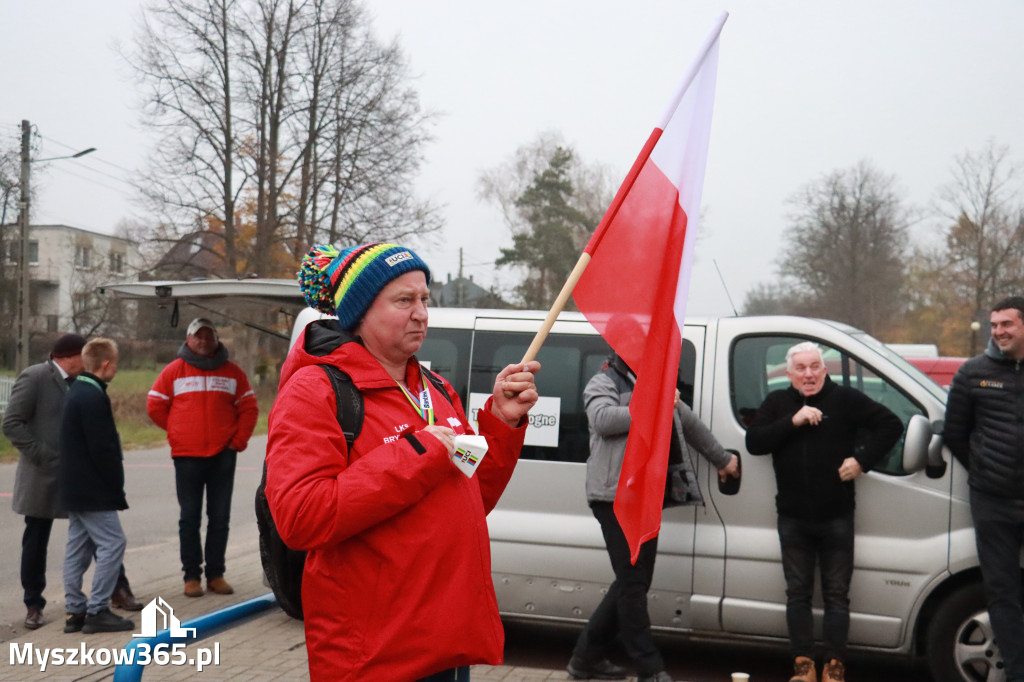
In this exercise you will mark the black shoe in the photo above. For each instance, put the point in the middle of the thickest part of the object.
(73, 622)
(106, 621)
(601, 670)
(124, 599)
(656, 677)
(34, 618)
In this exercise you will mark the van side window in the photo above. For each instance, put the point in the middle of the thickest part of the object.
(758, 366)
(568, 361)
(446, 352)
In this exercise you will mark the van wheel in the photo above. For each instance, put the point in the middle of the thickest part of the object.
(961, 646)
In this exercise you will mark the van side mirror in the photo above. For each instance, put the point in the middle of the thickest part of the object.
(936, 462)
(915, 444)
(731, 486)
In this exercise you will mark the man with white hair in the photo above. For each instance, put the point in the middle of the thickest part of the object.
(205, 403)
(810, 430)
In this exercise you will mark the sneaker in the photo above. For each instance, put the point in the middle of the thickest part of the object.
(834, 671)
(105, 621)
(600, 670)
(73, 622)
(193, 588)
(803, 670)
(219, 586)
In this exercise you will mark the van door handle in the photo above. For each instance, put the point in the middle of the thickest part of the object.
(731, 486)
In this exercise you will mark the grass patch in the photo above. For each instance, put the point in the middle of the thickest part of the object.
(128, 393)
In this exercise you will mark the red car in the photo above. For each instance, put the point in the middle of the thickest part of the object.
(941, 369)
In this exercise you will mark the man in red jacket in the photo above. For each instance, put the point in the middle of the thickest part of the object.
(397, 582)
(209, 411)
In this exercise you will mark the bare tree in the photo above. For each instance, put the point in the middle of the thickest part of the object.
(551, 201)
(984, 247)
(504, 184)
(251, 97)
(845, 250)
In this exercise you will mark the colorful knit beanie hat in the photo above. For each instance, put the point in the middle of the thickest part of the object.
(344, 283)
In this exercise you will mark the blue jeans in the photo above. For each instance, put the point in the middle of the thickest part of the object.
(806, 544)
(216, 476)
(623, 611)
(99, 534)
(999, 534)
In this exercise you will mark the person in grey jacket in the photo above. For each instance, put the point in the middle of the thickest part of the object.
(983, 430)
(32, 424)
(623, 611)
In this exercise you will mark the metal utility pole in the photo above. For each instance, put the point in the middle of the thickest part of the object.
(21, 356)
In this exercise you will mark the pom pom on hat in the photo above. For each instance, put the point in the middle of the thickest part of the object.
(344, 283)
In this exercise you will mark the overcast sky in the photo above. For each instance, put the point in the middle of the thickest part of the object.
(804, 87)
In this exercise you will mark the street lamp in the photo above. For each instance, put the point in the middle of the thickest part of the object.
(21, 356)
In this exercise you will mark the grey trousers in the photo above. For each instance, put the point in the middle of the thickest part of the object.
(99, 534)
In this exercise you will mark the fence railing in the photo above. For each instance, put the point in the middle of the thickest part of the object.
(6, 383)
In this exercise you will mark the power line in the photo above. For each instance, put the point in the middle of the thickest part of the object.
(98, 183)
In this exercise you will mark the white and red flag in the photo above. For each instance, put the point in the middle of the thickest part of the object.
(635, 286)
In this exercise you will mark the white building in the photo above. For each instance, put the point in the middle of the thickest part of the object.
(66, 266)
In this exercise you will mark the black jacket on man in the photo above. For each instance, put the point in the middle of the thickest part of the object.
(807, 458)
(91, 467)
(985, 422)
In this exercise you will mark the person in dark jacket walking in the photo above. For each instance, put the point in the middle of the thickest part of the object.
(810, 429)
(92, 490)
(984, 418)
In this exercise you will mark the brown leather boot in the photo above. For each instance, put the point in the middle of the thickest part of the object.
(834, 671)
(193, 588)
(219, 586)
(124, 599)
(803, 670)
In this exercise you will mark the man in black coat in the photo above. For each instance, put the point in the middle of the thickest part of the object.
(92, 491)
(811, 429)
(984, 418)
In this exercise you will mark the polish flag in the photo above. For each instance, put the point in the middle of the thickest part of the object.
(633, 291)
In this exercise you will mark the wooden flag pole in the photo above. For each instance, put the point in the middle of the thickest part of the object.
(557, 306)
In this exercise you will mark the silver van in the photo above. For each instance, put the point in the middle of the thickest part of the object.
(916, 586)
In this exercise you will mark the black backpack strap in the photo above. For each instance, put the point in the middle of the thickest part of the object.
(437, 381)
(348, 401)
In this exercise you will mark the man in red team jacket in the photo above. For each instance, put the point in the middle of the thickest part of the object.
(209, 411)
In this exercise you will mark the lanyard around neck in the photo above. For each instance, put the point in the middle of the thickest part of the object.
(90, 380)
(424, 406)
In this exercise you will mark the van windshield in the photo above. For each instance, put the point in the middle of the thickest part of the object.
(900, 361)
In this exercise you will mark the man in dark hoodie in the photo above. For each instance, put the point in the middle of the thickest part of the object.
(984, 414)
(811, 429)
(209, 411)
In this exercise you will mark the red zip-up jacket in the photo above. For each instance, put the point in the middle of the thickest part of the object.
(203, 411)
(397, 582)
